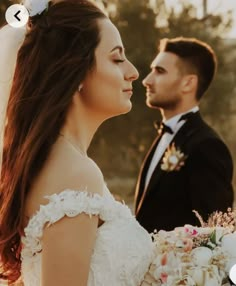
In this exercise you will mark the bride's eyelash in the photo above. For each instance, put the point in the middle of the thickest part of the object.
(119, 61)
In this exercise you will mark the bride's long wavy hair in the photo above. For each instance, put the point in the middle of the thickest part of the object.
(56, 55)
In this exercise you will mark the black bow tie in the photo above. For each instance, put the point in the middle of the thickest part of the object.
(186, 116)
(163, 128)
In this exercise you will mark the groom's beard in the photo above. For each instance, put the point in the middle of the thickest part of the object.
(156, 102)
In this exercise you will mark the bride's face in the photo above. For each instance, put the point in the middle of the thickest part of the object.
(107, 89)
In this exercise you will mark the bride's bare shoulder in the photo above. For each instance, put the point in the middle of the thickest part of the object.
(84, 172)
(61, 173)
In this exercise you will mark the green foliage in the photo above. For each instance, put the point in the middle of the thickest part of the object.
(121, 143)
(141, 28)
(208, 29)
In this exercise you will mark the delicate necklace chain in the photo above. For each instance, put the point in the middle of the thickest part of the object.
(77, 148)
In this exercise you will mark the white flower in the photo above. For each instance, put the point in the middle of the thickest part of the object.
(35, 6)
(182, 258)
(230, 263)
(201, 256)
(183, 281)
(204, 230)
(188, 230)
(220, 232)
(197, 275)
(228, 244)
(205, 276)
(173, 159)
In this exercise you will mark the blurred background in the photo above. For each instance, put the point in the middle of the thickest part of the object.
(121, 143)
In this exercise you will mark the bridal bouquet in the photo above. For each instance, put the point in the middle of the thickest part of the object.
(195, 256)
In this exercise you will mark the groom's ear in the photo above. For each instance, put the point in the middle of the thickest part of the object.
(190, 83)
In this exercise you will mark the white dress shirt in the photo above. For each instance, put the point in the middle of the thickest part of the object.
(166, 138)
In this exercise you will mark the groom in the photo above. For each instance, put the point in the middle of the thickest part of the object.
(188, 167)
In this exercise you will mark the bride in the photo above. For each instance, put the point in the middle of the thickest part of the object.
(59, 224)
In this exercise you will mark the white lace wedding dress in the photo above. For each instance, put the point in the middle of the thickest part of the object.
(123, 249)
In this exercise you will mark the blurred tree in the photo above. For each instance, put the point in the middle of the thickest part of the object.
(141, 26)
(4, 4)
(216, 105)
(121, 143)
(135, 21)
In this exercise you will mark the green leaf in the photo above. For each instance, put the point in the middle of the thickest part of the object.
(213, 237)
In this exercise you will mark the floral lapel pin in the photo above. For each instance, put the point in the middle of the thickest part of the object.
(173, 159)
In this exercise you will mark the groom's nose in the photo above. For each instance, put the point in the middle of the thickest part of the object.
(147, 81)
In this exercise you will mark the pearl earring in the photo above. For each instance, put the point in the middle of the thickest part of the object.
(80, 88)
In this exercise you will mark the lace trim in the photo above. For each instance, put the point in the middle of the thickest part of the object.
(67, 203)
(126, 263)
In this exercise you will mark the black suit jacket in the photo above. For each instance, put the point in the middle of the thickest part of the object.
(202, 184)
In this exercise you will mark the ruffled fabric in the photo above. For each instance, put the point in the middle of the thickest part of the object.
(123, 249)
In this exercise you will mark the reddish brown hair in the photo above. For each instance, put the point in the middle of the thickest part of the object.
(57, 53)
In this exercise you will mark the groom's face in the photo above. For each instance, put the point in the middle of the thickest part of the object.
(163, 83)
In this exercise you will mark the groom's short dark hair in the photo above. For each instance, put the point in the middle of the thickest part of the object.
(197, 56)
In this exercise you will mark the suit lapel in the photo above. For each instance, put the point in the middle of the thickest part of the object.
(143, 171)
(179, 139)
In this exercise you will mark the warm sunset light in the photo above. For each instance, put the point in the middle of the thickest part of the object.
(213, 6)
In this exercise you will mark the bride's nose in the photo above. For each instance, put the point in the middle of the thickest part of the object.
(131, 72)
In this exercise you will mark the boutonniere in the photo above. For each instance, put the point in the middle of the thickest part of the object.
(173, 159)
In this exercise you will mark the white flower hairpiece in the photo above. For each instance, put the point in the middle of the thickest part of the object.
(35, 7)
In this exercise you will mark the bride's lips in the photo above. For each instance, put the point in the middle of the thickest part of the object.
(128, 90)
